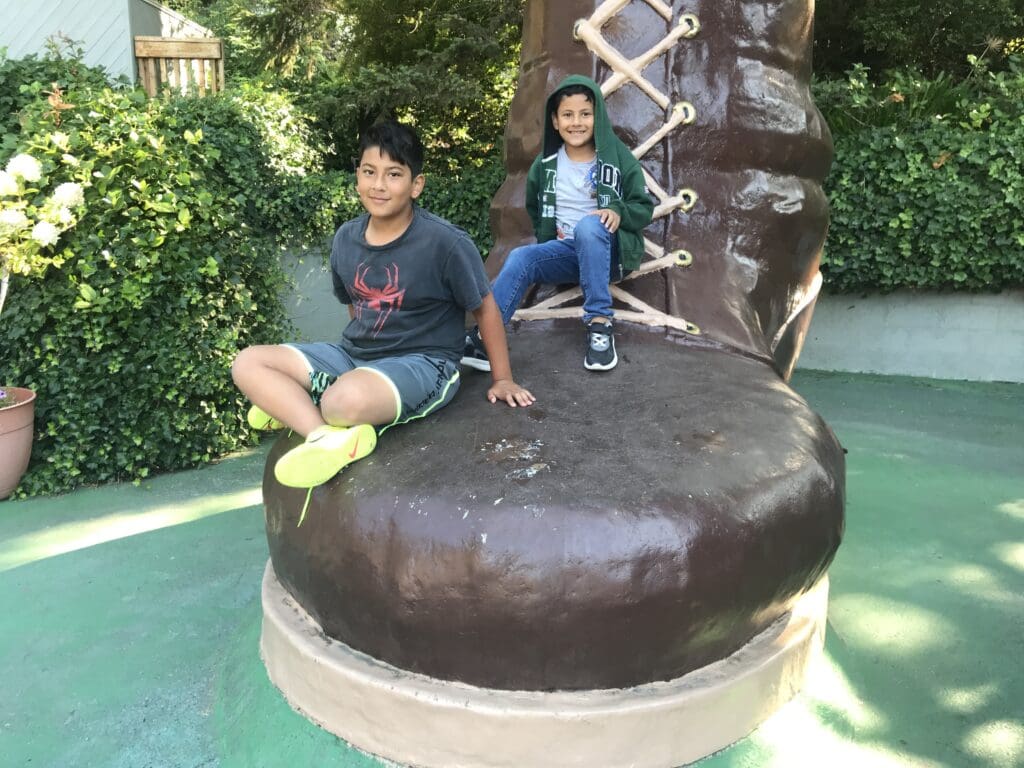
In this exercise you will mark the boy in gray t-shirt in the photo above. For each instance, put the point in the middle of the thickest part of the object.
(408, 278)
(588, 201)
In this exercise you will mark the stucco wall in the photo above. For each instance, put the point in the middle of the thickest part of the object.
(311, 304)
(939, 336)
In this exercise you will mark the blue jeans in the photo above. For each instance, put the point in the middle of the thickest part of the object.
(588, 260)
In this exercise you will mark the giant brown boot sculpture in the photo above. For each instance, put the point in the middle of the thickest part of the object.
(575, 571)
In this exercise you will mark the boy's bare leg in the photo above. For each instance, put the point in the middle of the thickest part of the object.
(359, 397)
(275, 378)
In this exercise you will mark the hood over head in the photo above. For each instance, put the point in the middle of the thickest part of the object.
(602, 128)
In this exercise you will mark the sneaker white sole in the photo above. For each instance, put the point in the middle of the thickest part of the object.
(477, 364)
(599, 366)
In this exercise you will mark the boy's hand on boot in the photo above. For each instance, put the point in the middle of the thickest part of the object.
(609, 218)
(510, 392)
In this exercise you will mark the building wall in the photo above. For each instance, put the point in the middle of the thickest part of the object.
(100, 26)
(151, 18)
(976, 337)
(104, 28)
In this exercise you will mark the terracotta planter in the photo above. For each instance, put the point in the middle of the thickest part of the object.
(15, 437)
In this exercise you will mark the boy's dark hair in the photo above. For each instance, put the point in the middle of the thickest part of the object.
(576, 89)
(397, 141)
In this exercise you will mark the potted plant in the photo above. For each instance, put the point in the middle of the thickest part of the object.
(17, 413)
(32, 219)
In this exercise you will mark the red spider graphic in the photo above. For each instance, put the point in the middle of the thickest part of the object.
(383, 301)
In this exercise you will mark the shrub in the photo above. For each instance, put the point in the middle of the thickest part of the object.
(172, 268)
(32, 216)
(935, 36)
(901, 99)
(269, 160)
(21, 80)
(934, 202)
(464, 198)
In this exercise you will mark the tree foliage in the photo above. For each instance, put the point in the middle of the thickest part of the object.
(933, 37)
(172, 268)
(449, 66)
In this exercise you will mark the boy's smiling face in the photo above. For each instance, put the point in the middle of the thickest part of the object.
(574, 121)
(386, 186)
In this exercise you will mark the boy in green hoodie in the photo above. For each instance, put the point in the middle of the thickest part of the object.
(588, 201)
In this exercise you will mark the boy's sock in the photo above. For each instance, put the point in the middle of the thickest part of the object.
(262, 421)
(600, 347)
(474, 355)
(325, 453)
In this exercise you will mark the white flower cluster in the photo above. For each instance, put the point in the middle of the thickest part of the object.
(25, 166)
(28, 221)
(68, 195)
(45, 233)
(13, 218)
(8, 185)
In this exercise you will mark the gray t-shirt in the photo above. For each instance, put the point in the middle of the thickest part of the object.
(411, 295)
(575, 193)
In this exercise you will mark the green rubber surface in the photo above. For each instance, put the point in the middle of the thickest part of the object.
(129, 616)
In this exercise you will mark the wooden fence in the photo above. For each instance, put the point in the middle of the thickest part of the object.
(180, 65)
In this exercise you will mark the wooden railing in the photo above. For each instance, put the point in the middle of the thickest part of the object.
(180, 65)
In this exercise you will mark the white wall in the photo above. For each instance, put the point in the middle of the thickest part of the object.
(312, 305)
(151, 18)
(975, 337)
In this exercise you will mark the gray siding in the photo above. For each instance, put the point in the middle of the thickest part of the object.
(104, 28)
(151, 18)
(100, 26)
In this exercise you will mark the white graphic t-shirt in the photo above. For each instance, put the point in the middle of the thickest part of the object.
(575, 193)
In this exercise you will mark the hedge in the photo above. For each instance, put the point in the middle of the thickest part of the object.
(927, 201)
(172, 268)
(937, 208)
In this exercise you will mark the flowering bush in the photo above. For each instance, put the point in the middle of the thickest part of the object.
(172, 269)
(32, 218)
(174, 266)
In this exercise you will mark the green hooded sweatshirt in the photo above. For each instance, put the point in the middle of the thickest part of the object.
(620, 187)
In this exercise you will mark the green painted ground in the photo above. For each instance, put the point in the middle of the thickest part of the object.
(129, 616)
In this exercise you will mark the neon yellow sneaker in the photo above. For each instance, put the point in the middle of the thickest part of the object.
(325, 453)
(262, 421)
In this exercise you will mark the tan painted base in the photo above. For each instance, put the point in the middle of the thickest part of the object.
(422, 721)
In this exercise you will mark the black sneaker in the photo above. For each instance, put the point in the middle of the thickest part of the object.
(474, 355)
(600, 347)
